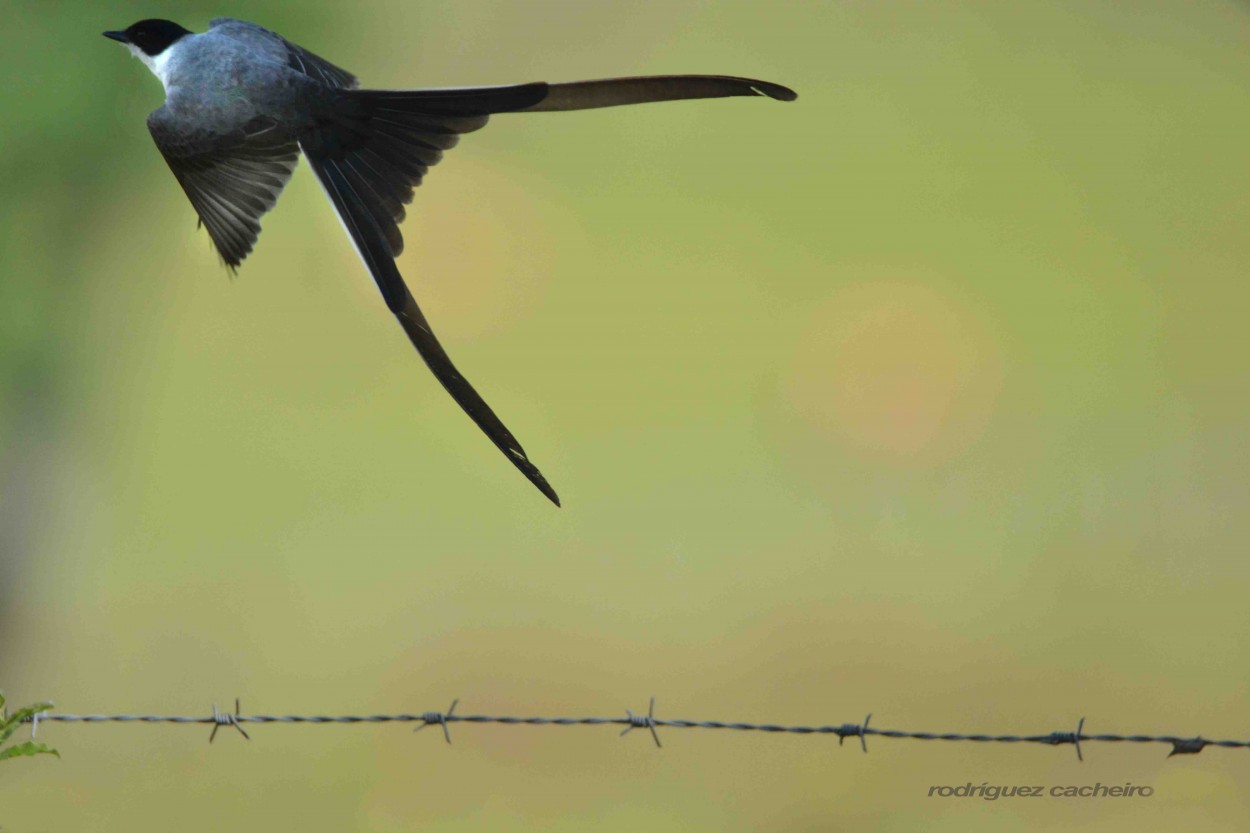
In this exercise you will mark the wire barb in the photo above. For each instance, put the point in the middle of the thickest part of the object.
(643, 721)
(34, 723)
(1074, 738)
(227, 719)
(859, 730)
(1191, 746)
(439, 719)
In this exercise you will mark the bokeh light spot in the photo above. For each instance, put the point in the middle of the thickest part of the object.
(895, 368)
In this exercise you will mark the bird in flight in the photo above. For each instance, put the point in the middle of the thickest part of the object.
(242, 103)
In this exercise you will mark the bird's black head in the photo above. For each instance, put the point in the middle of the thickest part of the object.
(152, 37)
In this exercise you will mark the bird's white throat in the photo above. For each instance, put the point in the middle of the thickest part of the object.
(158, 64)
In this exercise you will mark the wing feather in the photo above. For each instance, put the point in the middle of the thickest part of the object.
(231, 179)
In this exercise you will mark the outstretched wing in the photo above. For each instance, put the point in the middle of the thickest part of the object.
(231, 178)
(379, 144)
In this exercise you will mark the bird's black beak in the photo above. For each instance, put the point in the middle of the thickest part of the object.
(120, 37)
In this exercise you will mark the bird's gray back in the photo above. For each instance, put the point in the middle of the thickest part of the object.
(235, 72)
(297, 57)
(257, 37)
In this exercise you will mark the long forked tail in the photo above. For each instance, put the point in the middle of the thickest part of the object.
(615, 92)
(368, 154)
(370, 148)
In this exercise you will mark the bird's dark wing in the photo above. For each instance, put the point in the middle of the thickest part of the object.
(382, 143)
(232, 178)
(319, 68)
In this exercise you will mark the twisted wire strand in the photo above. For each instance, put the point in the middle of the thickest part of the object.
(861, 731)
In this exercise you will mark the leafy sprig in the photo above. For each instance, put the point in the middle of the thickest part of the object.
(9, 724)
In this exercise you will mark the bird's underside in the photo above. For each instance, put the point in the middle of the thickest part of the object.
(368, 150)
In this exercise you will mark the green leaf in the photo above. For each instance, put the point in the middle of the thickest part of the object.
(9, 723)
(19, 717)
(27, 749)
(25, 714)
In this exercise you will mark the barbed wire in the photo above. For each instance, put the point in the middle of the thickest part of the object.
(631, 721)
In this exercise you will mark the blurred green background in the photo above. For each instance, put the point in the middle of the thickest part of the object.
(923, 396)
